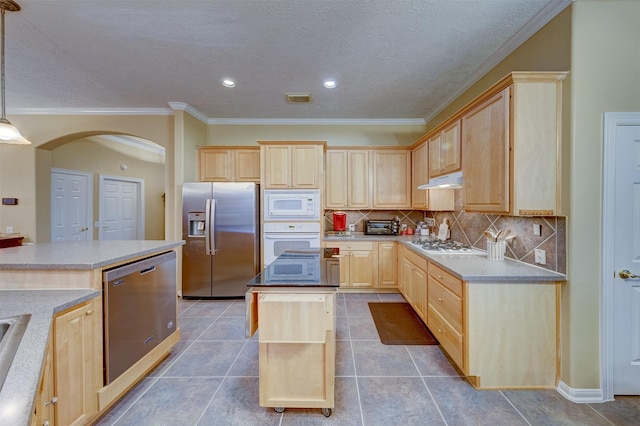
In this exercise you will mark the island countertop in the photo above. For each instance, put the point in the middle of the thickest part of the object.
(79, 254)
(21, 384)
(301, 268)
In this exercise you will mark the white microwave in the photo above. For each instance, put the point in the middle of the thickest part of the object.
(291, 204)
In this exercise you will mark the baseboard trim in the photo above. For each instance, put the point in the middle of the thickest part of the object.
(580, 396)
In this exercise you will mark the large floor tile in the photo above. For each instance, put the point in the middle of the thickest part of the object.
(206, 359)
(461, 404)
(374, 359)
(431, 361)
(624, 411)
(362, 328)
(225, 328)
(548, 407)
(246, 364)
(358, 307)
(171, 402)
(207, 308)
(236, 402)
(237, 309)
(344, 359)
(118, 409)
(175, 353)
(192, 328)
(397, 401)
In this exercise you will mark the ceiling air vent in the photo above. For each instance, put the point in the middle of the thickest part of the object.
(298, 98)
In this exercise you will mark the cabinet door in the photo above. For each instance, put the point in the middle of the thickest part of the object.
(216, 165)
(75, 363)
(276, 166)
(391, 179)
(336, 180)
(419, 176)
(450, 148)
(387, 265)
(44, 413)
(247, 165)
(358, 179)
(306, 166)
(485, 137)
(435, 166)
(361, 269)
(418, 285)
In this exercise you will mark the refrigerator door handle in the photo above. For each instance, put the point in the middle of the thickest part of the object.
(210, 241)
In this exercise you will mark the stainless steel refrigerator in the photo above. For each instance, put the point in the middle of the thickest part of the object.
(221, 229)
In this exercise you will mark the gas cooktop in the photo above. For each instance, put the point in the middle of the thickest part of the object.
(435, 246)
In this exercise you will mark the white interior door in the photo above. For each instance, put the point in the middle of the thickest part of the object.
(71, 205)
(121, 208)
(622, 214)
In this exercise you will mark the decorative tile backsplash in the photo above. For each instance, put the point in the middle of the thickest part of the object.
(468, 228)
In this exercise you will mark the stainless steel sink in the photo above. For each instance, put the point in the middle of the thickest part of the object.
(11, 331)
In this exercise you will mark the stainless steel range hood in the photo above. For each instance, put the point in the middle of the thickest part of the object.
(450, 181)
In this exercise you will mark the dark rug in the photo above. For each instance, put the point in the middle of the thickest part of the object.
(398, 324)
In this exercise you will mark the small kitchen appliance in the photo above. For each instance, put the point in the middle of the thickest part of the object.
(339, 221)
(382, 227)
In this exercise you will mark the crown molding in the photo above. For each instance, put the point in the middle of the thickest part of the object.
(319, 121)
(182, 106)
(543, 17)
(90, 111)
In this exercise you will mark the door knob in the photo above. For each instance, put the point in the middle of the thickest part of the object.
(625, 274)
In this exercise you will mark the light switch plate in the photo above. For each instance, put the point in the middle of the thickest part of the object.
(537, 229)
(540, 256)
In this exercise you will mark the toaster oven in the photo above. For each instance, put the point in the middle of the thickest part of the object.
(381, 227)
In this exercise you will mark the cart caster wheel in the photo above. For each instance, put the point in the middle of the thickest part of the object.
(326, 412)
(278, 409)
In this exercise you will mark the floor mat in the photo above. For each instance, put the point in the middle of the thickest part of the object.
(398, 324)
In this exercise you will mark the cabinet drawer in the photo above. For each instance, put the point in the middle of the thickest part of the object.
(446, 279)
(448, 304)
(450, 339)
(416, 259)
(352, 245)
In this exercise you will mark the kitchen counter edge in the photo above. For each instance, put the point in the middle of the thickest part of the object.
(468, 267)
(84, 254)
(18, 393)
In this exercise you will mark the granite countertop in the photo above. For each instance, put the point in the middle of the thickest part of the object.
(467, 267)
(18, 392)
(80, 254)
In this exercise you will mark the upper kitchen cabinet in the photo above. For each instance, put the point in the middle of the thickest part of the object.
(444, 150)
(511, 146)
(292, 164)
(229, 164)
(391, 178)
(427, 199)
(347, 179)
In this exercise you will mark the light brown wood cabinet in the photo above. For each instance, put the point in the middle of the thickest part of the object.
(347, 179)
(297, 346)
(77, 363)
(444, 150)
(229, 164)
(387, 265)
(357, 263)
(511, 146)
(413, 281)
(286, 165)
(427, 199)
(44, 406)
(444, 312)
(391, 178)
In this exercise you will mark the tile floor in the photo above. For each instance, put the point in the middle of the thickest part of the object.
(211, 378)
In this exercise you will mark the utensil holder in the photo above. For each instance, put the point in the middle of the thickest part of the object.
(496, 250)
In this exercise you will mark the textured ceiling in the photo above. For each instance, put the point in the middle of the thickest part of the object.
(392, 59)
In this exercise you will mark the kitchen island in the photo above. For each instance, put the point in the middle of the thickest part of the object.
(293, 304)
(56, 283)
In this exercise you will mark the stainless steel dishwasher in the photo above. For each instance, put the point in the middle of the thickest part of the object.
(139, 310)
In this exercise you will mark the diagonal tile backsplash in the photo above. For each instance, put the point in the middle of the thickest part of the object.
(468, 228)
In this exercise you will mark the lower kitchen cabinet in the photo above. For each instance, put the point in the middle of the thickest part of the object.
(297, 346)
(413, 276)
(357, 265)
(77, 363)
(387, 265)
(44, 411)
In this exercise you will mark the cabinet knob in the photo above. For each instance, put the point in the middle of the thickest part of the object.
(440, 330)
(89, 312)
(440, 299)
(53, 401)
(439, 277)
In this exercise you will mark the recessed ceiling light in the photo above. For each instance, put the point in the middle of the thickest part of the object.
(330, 84)
(228, 83)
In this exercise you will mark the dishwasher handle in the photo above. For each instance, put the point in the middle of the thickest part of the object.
(148, 270)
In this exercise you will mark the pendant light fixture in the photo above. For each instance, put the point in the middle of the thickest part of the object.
(8, 133)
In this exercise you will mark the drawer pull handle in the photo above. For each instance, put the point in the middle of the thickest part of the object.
(440, 299)
(53, 401)
(439, 277)
(440, 330)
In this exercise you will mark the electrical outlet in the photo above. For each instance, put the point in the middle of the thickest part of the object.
(537, 229)
(540, 256)
(9, 229)
(352, 227)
